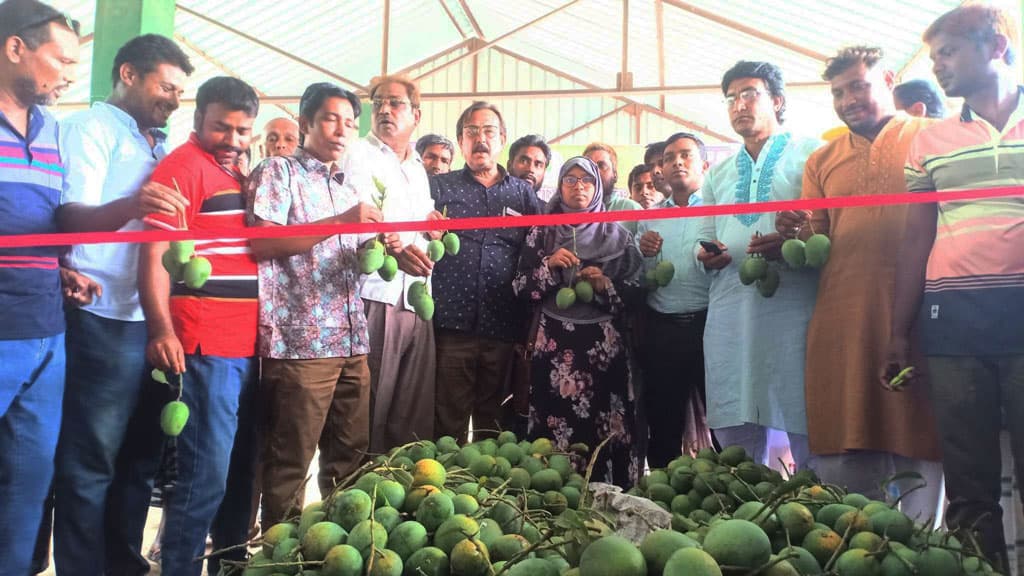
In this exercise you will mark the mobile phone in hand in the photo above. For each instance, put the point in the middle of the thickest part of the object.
(710, 247)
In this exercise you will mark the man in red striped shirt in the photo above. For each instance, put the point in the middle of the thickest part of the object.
(206, 334)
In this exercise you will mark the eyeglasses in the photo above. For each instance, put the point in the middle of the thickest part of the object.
(61, 18)
(573, 180)
(394, 102)
(747, 96)
(489, 131)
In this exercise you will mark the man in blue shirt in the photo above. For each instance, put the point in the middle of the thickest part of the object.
(109, 152)
(40, 51)
(673, 351)
(478, 317)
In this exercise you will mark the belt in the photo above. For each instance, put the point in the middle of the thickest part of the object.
(682, 317)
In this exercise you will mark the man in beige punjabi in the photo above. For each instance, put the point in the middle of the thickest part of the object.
(860, 433)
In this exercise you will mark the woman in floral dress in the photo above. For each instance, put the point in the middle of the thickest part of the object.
(581, 384)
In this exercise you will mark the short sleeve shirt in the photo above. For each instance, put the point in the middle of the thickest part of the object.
(310, 306)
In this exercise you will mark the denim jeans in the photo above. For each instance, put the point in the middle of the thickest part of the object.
(231, 525)
(31, 389)
(106, 368)
(212, 389)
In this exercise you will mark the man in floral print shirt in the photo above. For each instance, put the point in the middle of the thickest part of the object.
(312, 336)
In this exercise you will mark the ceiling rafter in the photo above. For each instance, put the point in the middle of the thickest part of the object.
(588, 123)
(451, 17)
(225, 69)
(472, 20)
(493, 42)
(271, 47)
(745, 29)
(468, 42)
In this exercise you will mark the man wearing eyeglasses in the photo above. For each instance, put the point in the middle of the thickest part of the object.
(40, 51)
(477, 316)
(754, 345)
(401, 355)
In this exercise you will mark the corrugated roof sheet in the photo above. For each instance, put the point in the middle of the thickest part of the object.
(576, 48)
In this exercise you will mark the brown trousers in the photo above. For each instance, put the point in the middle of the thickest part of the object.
(323, 402)
(471, 373)
(402, 369)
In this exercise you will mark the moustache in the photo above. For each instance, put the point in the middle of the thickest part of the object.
(227, 148)
(480, 148)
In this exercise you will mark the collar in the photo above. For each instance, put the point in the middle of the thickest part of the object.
(159, 136)
(36, 120)
(410, 151)
(694, 200)
(967, 115)
(468, 174)
(313, 164)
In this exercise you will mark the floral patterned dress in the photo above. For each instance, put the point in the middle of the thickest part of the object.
(581, 389)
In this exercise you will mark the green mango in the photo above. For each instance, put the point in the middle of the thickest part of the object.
(451, 243)
(584, 291)
(818, 248)
(435, 250)
(196, 272)
(374, 245)
(174, 268)
(370, 260)
(769, 284)
(389, 268)
(417, 289)
(182, 250)
(753, 269)
(173, 417)
(794, 252)
(565, 298)
(664, 272)
(424, 307)
(650, 279)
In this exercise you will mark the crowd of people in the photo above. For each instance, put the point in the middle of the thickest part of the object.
(288, 348)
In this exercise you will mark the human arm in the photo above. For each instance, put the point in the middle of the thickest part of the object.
(163, 350)
(707, 260)
(271, 248)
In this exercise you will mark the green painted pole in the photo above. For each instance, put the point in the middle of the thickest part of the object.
(118, 21)
(366, 117)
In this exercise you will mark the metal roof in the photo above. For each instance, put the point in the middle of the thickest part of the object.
(525, 50)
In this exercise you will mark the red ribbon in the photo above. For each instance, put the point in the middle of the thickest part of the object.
(300, 230)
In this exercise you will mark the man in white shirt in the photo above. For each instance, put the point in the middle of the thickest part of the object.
(110, 151)
(402, 355)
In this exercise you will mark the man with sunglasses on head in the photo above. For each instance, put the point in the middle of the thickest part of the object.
(401, 358)
(40, 51)
(477, 316)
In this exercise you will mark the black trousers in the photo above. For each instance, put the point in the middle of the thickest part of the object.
(673, 365)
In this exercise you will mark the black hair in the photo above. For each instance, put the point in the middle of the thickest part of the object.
(688, 136)
(920, 90)
(428, 140)
(534, 140)
(148, 51)
(230, 92)
(653, 152)
(316, 94)
(767, 72)
(636, 172)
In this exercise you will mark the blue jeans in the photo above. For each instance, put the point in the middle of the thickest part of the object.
(212, 389)
(106, 368)
(231, 525)
(31, 389)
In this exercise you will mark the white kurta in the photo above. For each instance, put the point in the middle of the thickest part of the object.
(754, 346)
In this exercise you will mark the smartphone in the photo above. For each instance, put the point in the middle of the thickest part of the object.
(710, 247)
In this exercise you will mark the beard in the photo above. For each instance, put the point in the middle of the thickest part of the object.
(27, 92)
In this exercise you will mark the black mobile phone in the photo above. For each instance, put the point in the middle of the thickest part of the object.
(710, 247)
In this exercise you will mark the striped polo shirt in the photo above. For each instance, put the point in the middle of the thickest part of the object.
(218, 319)
(31, 175)
(974, 293)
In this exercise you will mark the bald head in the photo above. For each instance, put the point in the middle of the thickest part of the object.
(281, 136)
